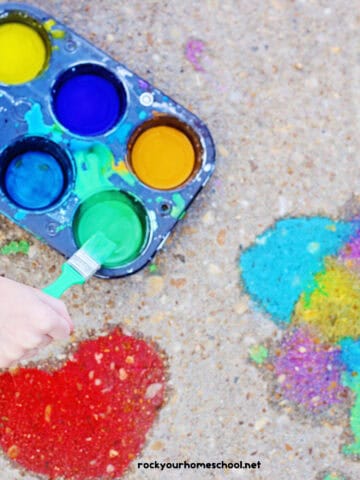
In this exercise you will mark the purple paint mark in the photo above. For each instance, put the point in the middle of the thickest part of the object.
(194, 49)
(351, 251)
(143, 84)
(309, 372)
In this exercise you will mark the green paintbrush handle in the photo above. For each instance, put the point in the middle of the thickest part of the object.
(68, 277)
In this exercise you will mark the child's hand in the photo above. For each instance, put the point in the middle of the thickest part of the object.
(29, 320)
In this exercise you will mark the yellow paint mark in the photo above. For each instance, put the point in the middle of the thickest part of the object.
(13, 451)
(22, 53)
(331, 227)
(58, 34)
(163, 157)
(49, 24)
(120, 167)
(47, 413)
(333, 308)
(335, 50)
(113, 453)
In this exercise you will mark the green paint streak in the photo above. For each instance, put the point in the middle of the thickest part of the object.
(353, 382)
(14, 247)
(57, 128)
(61, 227)
(179, 205)
(333, 476)
(153, 268)
(129, 178)
(258, 354)
(94, 169)
(122, 170)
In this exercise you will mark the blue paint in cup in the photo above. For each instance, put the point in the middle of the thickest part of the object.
(88, 100)
(34, 180)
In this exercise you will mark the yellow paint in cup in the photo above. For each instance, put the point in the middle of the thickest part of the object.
(23, 54)
(163, 157)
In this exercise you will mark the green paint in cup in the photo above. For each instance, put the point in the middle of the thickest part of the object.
(120, 217)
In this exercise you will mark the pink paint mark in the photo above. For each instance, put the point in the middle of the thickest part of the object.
(194, 50)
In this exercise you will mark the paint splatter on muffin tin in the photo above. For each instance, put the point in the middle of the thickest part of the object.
(87, 144)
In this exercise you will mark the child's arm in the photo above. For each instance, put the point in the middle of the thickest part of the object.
(29, 320)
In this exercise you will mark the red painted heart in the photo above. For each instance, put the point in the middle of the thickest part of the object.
(88, 419)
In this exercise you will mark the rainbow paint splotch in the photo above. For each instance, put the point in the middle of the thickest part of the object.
(305, 273)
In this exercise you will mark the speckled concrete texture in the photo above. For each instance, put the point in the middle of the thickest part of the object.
(278, 89)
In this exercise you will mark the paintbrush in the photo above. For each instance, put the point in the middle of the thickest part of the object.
(82, 265)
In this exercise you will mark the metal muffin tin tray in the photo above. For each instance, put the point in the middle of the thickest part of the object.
(28, 121)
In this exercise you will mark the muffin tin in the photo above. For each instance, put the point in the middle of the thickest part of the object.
(87, 145)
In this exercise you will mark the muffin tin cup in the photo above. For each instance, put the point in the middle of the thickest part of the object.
(121, 217)
(25, 47)
(35, 173)
(164, 153)
(88, 100)
(93, 161)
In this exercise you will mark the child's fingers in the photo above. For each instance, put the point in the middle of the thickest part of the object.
(34, 340)
(30, 340)
(4, 362)
(44, 340)
(11, 352)
(58, 305)
(49, 322)
(29, 354)
(58, 328)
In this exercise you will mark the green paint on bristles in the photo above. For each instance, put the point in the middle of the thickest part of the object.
(14, 247)
(258, 354)
(99, 247)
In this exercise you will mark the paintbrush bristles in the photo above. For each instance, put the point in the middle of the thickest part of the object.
(83, 264)
(92, 255)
